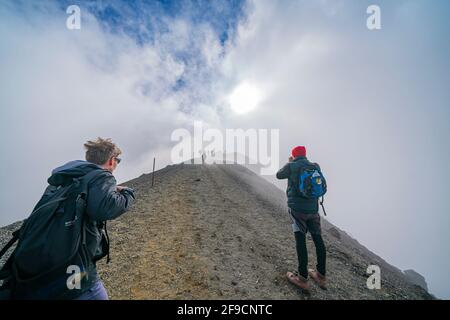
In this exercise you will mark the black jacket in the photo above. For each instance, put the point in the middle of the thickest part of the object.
(104, 202)
(295, 201)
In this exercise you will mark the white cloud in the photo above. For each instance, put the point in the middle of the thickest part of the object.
(62, 87)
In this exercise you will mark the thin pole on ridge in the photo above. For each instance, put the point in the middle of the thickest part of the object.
(153, 172)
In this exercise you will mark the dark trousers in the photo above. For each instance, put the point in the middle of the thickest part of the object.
(302, 253)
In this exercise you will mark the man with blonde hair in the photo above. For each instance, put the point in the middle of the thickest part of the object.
(66, 231)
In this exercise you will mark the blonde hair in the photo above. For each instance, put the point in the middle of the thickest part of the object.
(101, 150)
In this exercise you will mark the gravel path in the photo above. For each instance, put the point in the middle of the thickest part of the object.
(222, 232)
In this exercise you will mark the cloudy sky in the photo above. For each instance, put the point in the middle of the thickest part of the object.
(371, 106)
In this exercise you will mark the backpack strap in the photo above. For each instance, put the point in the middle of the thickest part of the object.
(10, 243)
(108, 258)
(323, 208)
(5, 271)
(86, 180)
(90, 177)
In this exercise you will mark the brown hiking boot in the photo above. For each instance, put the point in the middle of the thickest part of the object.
(318, 278)
(298, 281)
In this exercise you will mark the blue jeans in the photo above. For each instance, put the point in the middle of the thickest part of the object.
(96, 292)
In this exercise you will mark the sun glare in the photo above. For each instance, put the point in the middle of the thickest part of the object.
(244, 98)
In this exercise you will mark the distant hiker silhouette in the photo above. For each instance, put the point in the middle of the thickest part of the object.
(65, 235)
(203, 157)
(306, 185)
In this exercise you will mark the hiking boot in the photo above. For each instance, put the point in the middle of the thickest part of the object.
(298, 281)
(318, 278)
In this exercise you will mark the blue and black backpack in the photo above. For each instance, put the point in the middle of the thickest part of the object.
(312, 183)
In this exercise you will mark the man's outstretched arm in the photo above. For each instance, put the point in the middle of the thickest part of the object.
(105, 202)
(284, 172)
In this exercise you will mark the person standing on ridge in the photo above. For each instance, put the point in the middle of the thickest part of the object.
(305, 185)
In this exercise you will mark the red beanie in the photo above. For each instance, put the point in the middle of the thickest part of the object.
(299, 151)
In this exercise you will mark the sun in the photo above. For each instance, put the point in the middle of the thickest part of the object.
(244, 98)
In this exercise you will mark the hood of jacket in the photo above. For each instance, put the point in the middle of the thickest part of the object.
(73, 169)
(300, 158)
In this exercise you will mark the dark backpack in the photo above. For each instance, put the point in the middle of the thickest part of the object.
(50, 242)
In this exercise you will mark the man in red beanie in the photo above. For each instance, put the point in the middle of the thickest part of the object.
(304, 213)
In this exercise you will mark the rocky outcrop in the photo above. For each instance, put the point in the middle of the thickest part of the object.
(416, 278)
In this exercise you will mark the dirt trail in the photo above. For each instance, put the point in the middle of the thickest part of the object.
(191, 241)
(219, 232)
(222, 232)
